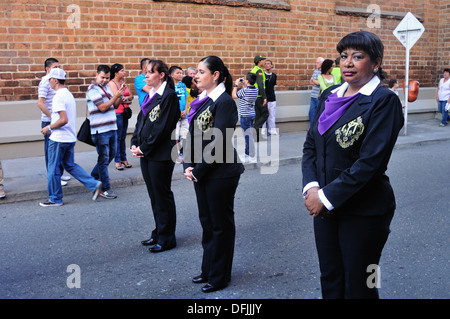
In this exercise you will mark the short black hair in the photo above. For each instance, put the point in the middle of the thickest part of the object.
(144, 61)
(447, 70)
(366, 41)
(251, 78)
(187, 80)
(103, 68)
(48, 62)
(173, 68)
(392, 82)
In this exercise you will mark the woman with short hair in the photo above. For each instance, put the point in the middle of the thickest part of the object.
(345, 158)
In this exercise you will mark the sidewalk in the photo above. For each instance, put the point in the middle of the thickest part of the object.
(26, 178)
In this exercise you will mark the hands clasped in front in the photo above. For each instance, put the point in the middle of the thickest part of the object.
(136, 151)
(312, 202)
(189, 175)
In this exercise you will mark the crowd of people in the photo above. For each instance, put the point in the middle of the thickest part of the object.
(345, 187)
(190, 104)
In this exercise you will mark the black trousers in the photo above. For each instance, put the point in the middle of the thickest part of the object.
(346, 246)
(158, 179)
(215, 200)
(261, 115)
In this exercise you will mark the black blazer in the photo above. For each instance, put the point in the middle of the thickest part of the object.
(350, 160)
(209, 149)
(153, 132)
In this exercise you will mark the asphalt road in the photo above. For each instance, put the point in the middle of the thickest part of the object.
(43, 250)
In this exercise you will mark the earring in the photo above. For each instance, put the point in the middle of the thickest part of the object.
(375, 70)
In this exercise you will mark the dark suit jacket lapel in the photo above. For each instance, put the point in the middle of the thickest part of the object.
(210, 102)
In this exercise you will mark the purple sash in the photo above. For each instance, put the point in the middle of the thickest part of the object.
(335, 107)
(146, 103)
(196, 105)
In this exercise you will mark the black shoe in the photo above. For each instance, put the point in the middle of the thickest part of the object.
(50, 204)
(211, 288)
(149, 242)
(159, 249)
(199, 279)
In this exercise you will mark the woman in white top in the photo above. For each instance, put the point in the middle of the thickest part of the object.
(443, 96)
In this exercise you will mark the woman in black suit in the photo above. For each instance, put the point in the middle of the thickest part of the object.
(152, 142)
(211, 163)
(345, 157)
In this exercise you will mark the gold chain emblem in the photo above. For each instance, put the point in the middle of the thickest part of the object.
(205, 120)
(154, 113)
(349, 133)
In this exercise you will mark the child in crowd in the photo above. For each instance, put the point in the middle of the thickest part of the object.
(247, 97)
(176, 73)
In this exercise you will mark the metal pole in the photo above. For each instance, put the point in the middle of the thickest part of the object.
(407, 81)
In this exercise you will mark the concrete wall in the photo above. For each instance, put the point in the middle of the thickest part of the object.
(20, 120)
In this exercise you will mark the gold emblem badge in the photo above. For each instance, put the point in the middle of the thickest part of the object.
(205, 120)
(154, 113)
(349, 133)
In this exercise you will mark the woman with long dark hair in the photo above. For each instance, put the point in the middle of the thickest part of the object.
(214, 168)
(118, 74)
(152, 143)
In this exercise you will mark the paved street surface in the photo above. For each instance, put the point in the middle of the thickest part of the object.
(275, 255)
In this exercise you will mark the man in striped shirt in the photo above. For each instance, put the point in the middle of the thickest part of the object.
(45, 100)
(101, 104)
(315, 91)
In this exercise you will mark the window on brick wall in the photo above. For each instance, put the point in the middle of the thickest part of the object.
(265, 4)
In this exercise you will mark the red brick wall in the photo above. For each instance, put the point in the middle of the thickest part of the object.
(125, 31)
(443, 51)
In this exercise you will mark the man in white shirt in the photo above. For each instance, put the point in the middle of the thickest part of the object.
(62, 142)
(45, 98)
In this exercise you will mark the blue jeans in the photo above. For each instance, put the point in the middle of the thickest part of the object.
(313, 109)
(106, 150)
(122, 127)
(46, 139)
(441, 109)
(247, 127)
(62, 155)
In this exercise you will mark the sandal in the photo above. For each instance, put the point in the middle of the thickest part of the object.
(125, 163)
(119, 167)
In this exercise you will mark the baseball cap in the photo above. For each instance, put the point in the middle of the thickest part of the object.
(57, 73)
(259, 58)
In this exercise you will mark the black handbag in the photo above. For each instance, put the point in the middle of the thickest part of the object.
(127, 112)
(84, 134)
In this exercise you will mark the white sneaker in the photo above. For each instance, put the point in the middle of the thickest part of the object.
(97, 191)
(108, 194)
(65, 178)
(252, 159)
(63, 183)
